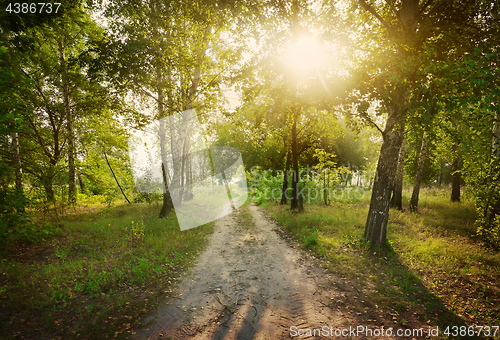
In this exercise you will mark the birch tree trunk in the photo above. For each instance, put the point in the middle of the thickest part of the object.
(495, 168)
(69, 125)
(81, 183)
(167, 205)
(378, 214)
(295, 167)
(397, 191)
(18, 166)
(285, 178)
(440, 175)
(455, 173)
(418, 176)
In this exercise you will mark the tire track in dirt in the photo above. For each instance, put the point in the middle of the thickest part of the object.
(250, 283)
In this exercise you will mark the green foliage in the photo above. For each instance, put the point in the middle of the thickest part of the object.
(14, 224)
(487, 201)
(263, 185)
(268, 185)
(490, 231)
(146, 197)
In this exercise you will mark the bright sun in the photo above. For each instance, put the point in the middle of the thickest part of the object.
(305, 55)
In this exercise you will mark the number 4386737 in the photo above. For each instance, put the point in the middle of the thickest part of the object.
(33, 8)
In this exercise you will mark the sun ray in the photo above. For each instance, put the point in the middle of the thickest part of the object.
(305, 55)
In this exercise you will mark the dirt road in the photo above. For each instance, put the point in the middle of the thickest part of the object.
(251, 283)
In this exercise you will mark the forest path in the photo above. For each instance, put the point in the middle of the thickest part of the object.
(251, 283)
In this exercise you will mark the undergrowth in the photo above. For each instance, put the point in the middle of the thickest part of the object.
(97, 277)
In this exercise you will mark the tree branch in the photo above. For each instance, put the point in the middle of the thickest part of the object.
(373, 12)
(391, 5)
(116, 180)
(372, 123)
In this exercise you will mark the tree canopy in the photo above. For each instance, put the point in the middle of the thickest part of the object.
(337, 78)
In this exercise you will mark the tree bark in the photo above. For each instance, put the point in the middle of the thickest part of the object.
(81, 183)
(178, 139)
(18, 167)
(69, 126)
(295, 167)
(418, 176)
(325, 196)
(397, 191)
(47, 182)
(285, 178)
(183, 173)
(494, 206)
(455, 173)
(167, 205)
(440, 175)
(378, 214)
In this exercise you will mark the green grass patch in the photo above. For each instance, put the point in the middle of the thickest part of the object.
(99, 277)
(435, 263)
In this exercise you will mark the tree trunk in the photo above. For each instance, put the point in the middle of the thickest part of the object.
(47, 182)
(18, 167)
(440, 175)
(397, 190)
(295, 167)
(69, 126)
(183, 178)
(325, 196)
(178, 139)
(494, 209)
(418, 176)
(455, 173)
(167, 205)
(81, 183)
(378, 214)
(285, 177)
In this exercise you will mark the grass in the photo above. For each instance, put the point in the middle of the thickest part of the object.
(435, 263)
(98, 277)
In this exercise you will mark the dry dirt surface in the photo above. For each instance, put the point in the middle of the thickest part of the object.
(252, 282)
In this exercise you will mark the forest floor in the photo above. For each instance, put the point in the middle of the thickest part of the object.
(255, 282)
(262, 272)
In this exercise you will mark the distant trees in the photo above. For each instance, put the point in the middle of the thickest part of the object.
(173, 55)
(55, 99)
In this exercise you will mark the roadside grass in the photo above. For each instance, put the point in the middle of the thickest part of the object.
(435, 265)
(98, 277)
(244, 215)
